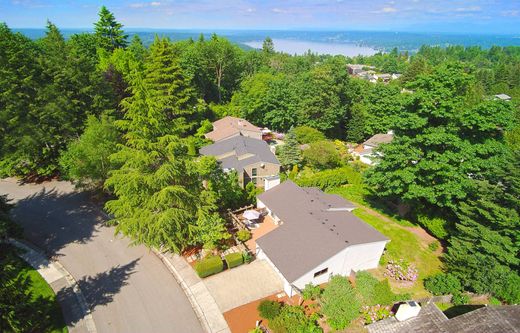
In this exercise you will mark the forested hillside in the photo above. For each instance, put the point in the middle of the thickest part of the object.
(113, 115)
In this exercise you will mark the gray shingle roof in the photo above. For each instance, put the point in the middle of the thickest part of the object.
(240, 145)
(488, 319)
(378, 139)
(313, 229)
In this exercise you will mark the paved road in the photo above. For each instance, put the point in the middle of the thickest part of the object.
(127, 287)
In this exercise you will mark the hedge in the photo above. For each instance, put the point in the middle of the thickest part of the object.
(209, 266)
(234, 259)
(331, 178)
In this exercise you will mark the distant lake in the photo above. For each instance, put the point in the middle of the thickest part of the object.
(301, 47)
(349, 43)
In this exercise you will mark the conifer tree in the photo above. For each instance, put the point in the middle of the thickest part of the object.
(290, 152)
(356, 130)
(157, 186)
(109, 32)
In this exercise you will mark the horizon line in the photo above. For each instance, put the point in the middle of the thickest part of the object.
(207, 30)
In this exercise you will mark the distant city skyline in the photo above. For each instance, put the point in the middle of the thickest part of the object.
(454, 16)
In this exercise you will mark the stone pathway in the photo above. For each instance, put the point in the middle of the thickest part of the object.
(73, 305)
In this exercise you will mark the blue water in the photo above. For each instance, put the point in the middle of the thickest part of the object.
(334, 42)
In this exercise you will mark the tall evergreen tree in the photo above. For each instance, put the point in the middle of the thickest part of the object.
(157, 186)
(290, 153)
(268, 45)
(356, 125)
(484, 251)
(19, 85)
(109, 32)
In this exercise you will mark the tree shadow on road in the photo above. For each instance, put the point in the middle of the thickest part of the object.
(53, 219)
(99, 289)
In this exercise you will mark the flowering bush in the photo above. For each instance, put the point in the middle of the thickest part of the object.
(375, 313)
(401, 270)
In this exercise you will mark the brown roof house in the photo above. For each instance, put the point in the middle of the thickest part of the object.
(228, 127)
(252, 159)
(317, 236)
(488, 319)
(366, 151)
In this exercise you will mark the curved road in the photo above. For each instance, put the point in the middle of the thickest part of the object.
(127, 287)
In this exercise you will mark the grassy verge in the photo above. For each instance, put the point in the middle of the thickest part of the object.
(42, 295)
(404, 244)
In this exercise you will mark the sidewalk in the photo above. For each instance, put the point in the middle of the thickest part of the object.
(201, 300)
(73, 306)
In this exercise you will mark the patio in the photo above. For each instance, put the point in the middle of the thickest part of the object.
(265, 225)
(258, 227)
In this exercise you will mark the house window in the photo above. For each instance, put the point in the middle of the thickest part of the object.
(253, 175)
(323, 271)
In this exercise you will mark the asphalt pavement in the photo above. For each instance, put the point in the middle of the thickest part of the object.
(127, 288)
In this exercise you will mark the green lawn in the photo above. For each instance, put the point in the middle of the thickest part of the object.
(451, 310)
(404, 244)
(42, 290)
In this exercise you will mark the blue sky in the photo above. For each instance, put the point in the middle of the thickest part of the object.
(464, 16)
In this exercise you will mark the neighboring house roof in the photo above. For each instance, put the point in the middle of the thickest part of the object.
(230, 126)
(315, 226)
(488, 319)
(503, 97)
(378, 139)
(242, 151)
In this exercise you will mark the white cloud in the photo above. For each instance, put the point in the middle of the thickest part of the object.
(279, 10)
(468, 9)
(513, 12)
(250, 10)
(388, 10)
(145, 4)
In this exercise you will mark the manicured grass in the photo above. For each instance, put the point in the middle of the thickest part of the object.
(40, 288)
(404, 244)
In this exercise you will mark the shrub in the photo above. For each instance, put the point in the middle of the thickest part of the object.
(292, 319)
(373, 291)
(401, 270)
(247, 257)
(209, 266)
(375, 313)
(339, 303)
(234, 259)
(331, 178)
(306, 134)
(322, 155)
(443, 284)
(437, 226)
(433, 246)
(507, 288)
(269, 309)
(311, 292)
(460, 299)
(244, 235)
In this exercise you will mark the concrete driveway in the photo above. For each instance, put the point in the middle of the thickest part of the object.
(127, 287)
(243, 284)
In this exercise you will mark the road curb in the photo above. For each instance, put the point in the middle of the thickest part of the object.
(43, 266)
(208, 324)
